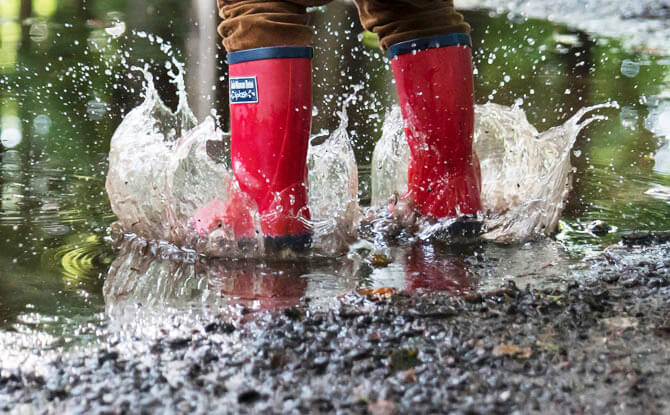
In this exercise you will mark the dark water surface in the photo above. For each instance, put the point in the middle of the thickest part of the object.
(64, 87)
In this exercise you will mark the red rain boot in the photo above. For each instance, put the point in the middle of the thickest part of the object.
(270, 119)
(434, 81)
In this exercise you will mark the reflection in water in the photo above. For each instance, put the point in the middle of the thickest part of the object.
(149, 276)
(426, 271)
(80, 260)
(264, 286)
(423, 268)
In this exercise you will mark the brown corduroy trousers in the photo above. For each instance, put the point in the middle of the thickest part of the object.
(249, 24)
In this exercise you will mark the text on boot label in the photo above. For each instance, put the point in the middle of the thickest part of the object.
(243, 90)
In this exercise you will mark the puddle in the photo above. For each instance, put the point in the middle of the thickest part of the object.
(56, 287)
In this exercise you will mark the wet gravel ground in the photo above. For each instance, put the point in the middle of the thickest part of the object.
(598, 346)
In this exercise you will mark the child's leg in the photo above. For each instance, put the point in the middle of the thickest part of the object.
(249, 24)
(397, 21)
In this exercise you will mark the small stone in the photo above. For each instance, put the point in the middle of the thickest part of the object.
(277, 360)
(179, 343)
(504, 396)
(293, 313)
(621, 323)
(382, 407)
(631, 282)
(106, 355)
(598, 228)
(212, 327)
(248, 397)
(23, 409)
(403, 359)
(320, 363)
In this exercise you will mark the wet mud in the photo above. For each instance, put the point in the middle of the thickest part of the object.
(600, 343)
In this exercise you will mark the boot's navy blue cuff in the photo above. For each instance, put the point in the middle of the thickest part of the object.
(437, 41)
(273, 52)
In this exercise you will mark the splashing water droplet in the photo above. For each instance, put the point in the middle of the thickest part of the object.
(630, 68)
(333, 186)
(526, 175)
(165, 183)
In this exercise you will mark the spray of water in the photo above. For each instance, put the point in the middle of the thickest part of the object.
(162, 173)
(526, 175)
(333, 187)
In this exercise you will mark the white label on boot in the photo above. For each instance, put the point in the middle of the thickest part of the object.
(243, 90)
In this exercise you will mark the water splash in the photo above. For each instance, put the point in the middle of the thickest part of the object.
(159, 275)
(333, 187)
(138, 158)
(160, 173)
(526, 175)
(389, 160)
(163, 172)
